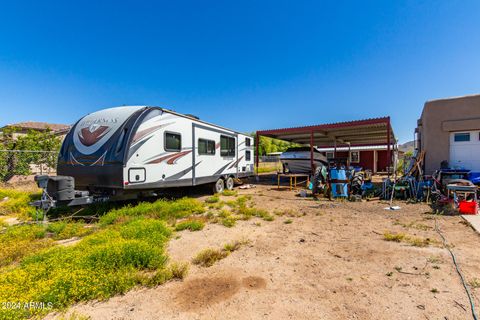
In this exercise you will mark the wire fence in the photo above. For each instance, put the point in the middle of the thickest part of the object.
(15, 163)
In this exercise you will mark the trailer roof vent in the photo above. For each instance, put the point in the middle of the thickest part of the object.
(192, 116)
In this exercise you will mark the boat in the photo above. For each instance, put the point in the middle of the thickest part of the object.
(297, 160)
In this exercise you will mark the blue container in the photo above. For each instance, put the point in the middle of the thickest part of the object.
(338, 174)
(474, 177)
(339, 189)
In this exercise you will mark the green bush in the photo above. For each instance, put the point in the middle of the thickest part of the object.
(16, 203)
(66, 230)
(21, 240)
(161, 209)
(213, 199)
(229, 193)
(101, 265)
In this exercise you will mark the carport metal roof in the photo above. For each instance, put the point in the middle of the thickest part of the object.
(368, 132)
(377, 131)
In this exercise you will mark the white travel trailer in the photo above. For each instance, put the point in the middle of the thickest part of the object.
(137, 149)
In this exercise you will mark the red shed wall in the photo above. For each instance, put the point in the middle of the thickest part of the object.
(382, 162)
(366, 158)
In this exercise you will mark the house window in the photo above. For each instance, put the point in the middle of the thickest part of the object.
(247, 142)
(329, 155)
(248, 155)
(355, 156)
(206, 147)
(462, 137)
(173, 141)
(227, 146)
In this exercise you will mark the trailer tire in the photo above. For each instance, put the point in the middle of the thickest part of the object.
(229, 183)
(219, 186)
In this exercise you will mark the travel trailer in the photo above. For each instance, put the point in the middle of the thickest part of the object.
(297, 160)
(135, 150)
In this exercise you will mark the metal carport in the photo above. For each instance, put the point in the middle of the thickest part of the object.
(376, 131)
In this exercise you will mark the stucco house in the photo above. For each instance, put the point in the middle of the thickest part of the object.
(449, 130)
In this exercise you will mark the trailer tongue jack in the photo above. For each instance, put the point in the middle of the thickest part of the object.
(59, 191)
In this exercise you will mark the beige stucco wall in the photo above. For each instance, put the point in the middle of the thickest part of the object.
(439, 118)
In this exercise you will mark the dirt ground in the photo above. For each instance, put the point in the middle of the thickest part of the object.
(330, 262)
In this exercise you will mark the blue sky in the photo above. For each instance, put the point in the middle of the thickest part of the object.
(246, 64)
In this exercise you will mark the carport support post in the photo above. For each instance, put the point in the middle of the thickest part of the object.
(389, 156)
(349, 160)
(257, 148)
(311, 152)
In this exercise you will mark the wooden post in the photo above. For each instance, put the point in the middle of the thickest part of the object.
(257, 141)
(311, 152)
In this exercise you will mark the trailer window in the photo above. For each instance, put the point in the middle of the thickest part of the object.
(247, 142)
(173, 141)
(227, 146)
(206, 147)
(248, 155)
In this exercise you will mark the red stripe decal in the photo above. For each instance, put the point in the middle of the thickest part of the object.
(158, 160)
(178, 156)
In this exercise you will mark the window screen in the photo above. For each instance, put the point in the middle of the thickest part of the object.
(206, 147)
(227, 146)
(247, 142)
(248, 155)
(464, 136)
(173, 141)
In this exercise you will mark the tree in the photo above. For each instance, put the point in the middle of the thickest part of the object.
(268, 145)
(18, 153)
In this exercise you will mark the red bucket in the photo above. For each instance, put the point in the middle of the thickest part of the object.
(468, 207)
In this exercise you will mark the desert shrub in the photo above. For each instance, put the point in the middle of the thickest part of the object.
(229, 193)
(213, 199)
(413, 241)
(235, 245)
(179, 269)
(208, 257)
(190, 224)
(419, 242)
(247, 212)
(396, 237)
(228, 221)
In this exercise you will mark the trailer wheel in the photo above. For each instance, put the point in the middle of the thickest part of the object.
(219, 186)
(229, 184)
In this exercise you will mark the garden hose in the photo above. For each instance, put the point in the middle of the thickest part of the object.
(465, 286)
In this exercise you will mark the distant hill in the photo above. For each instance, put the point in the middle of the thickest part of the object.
(407, 146)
